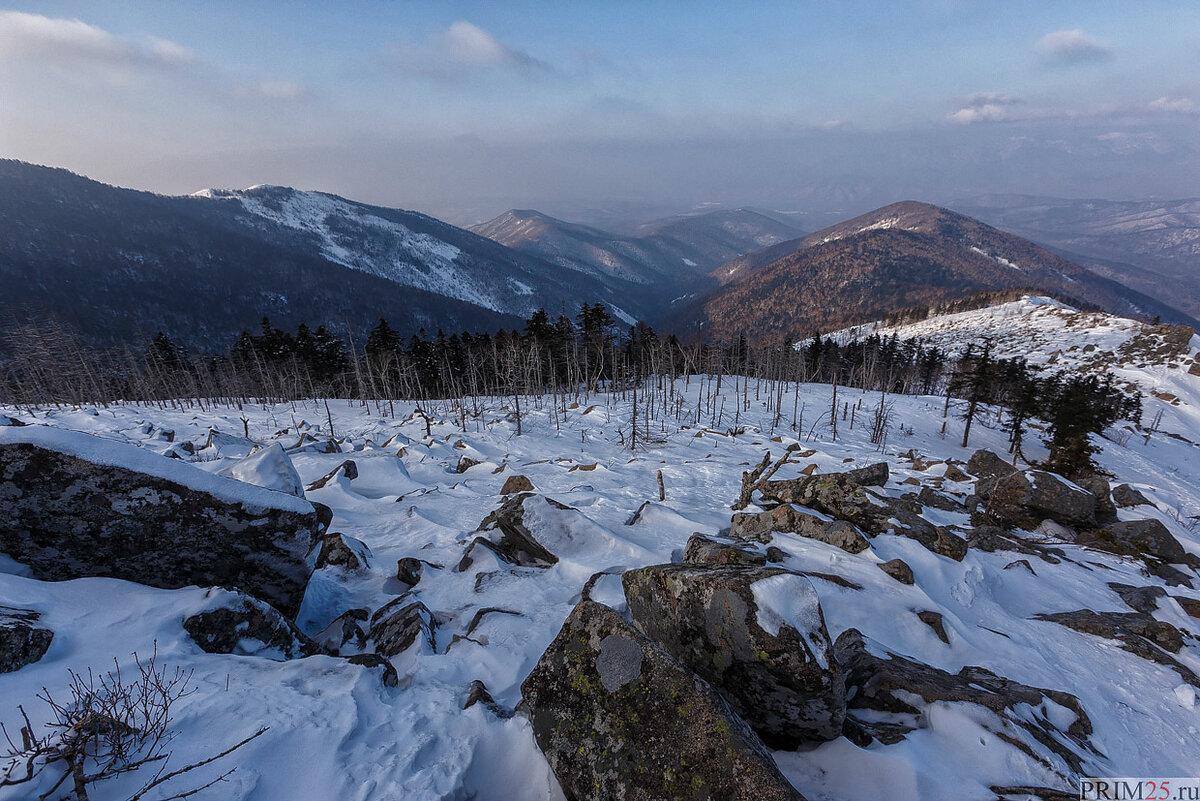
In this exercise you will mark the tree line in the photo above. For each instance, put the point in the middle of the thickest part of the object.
(556, 360)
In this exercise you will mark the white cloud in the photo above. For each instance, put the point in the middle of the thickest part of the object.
(1072, 47)
(983, 107)
(1176, 105)
(58, 39)
(461, 48)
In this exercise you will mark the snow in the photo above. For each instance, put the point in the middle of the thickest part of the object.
(113, 453)
(790, 600)
(336, 732)
(270, 468)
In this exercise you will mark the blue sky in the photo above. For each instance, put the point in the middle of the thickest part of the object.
(465, 109)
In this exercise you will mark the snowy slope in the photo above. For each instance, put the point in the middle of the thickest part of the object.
(336, 732)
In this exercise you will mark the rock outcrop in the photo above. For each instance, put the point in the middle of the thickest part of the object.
(130, 514)
(757, 634)
(617, 717)
(22, 641)
(246, 626)
(1025, 499)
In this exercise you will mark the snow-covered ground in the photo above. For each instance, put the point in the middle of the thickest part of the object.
(337, 732)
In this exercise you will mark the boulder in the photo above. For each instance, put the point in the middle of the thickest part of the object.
(516, 544)
(935, 621)
(345, 633)
(898, 569)
(1140, 599)
(1129, 628)
(465, 463)
(1023, 500)
(931, 497)
(619, 718)
(700, 550)
(517, 483)
(395, 626)
(1144, 538)
(1126, 496)
(759, 526)
(986, 464)
(127, 513)
(1106, 510)
(22, 641)
(241, 625)
(889, 696)
(408, 570)
(338, 550)
(874, 475)
(757, 634)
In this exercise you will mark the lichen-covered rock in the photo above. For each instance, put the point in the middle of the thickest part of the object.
(1142, 537)
(889, 695)
(69, 517)
(247, 626)
(986, 464)
(700, 550)
(874, 475)
(898, 569)
(22, 642)
(619, 718)
(757, 634)
(758, 526)
(1121, 626)
(1025, 499)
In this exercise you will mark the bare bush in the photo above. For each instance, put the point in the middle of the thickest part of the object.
(108, 725)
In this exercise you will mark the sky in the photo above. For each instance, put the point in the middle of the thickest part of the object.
(599, 111)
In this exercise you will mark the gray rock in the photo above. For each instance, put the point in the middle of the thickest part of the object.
(619, 718)
(408, 570)
(396, 625)
(935, 622)
(345, 633)
(22, 642)
(986, 464)
(1140, 599)
(516, 544)
(1126, 496)
(784, 682)
(1142, 537)
(337, 550)
(1106, 511)
(899, 570)
(389, 677)
(1023, 500)
(888, 696)
(759, 526)
(247, 626)
(1129, 628)
(700, 550)
(875, 475)
(67, 518)
(931, 497)
(347, 469)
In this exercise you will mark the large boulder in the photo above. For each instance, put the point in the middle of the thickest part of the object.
(1126, 496)
(986, 464)
(757, 634)
(758, 526)
(890, 695)
(1106, 510)
(73, 506)
(237, 624)
(22, 641)
(618, 718)
(1142, 538)
(702, 550)
(1024, 499)
(398, 624)
(874, 475)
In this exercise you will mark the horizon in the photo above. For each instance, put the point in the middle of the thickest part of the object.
(464, 111)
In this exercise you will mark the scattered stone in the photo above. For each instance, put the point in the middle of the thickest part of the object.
(517, 544)
(66, 518)
(347, 469)
(702, 550)
(516, 483)
(1190, 606)
(898, 569)
(875, 475)
(465, 463)
(931, 497)
(338, 550)
(953, 473)
(1141, 599)
(1126, 496)
(776, 554)
(934, 621)
(617, 717)
(888, 696)
(395, 626)
(390, 678)
(759, 526)
(774, 666)
(1021, 563)
(408, 570)
(22, 642)
(249, 627)
(986, 464)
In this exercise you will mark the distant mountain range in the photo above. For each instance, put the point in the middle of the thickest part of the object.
(118, 265)
(1152, 246)
(902, 255)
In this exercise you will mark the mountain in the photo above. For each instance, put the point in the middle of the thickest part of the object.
(1152, 246)
(661, 257)
(119, 264)
(903, 255)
